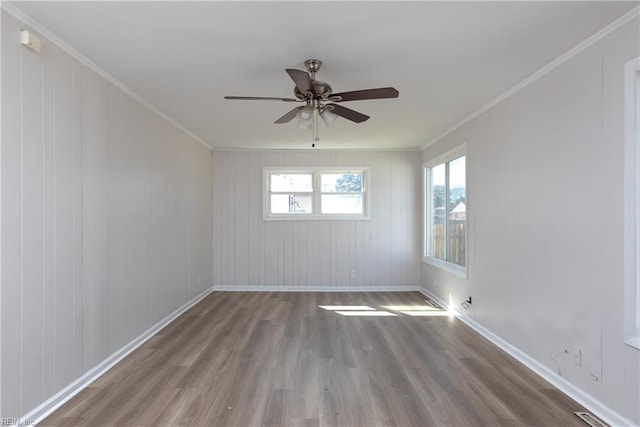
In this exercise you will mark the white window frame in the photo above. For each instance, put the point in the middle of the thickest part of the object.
(453, 268)
(309, 193)
(632, 204)
(316, 213)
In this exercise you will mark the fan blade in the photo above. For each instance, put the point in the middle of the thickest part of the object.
(289, 116)
(347, 113)
(357, 95)
(301, 79)
(261, 98)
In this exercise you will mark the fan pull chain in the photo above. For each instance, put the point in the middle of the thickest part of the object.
(314, 125)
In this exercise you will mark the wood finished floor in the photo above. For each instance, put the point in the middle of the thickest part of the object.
(276, 359)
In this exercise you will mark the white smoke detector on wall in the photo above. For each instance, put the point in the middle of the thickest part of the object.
(30, 41)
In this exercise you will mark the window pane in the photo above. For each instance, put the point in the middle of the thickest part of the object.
(299, 182)
(341, 182)
(342, 204)
(291, 203)
(456, 245)
(437, 191)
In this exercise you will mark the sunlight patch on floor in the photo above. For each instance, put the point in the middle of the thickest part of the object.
(366, 313)
(411, 308)
(346, 307)
(365, 310)
(425, 313)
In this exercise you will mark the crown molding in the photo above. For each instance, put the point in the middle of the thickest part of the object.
(36, 26)
(624, 19)
(310, 150)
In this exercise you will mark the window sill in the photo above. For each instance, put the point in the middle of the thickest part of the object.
(315, 217)
(449, 267)
(633, 342)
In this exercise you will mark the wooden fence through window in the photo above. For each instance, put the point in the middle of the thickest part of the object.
(457, 242)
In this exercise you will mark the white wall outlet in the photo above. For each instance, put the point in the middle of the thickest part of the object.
(198, 280)
(353, 274)
(576, 355)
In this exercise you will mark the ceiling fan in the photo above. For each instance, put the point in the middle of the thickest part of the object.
(319, 99)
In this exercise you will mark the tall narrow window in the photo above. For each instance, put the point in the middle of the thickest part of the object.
(456, 211)
(445, 211)
(438, 184)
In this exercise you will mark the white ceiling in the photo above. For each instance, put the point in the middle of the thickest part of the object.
(447, 59)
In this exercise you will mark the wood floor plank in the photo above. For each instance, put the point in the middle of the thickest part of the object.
(277, 359)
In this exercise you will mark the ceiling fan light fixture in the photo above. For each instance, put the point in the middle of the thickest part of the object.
(328, 117)
(304, 121)
(305, 113)
(306, 124)
(304, 117)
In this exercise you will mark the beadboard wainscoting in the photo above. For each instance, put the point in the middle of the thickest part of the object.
(106, 220)
(381, 251)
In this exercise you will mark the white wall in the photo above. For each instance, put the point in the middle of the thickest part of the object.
(249, 251)
(545, 190)
(105, 220)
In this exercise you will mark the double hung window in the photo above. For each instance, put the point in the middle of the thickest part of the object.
(316, 193)
(291, 193)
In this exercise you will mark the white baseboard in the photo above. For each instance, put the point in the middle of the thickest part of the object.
(408, 288)
(591, 403)
(46, 408)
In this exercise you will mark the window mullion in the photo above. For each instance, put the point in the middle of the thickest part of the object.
(430, 212)
(447, 224)
(317, 195)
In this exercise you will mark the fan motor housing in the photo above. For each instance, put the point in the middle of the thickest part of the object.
(322, 89)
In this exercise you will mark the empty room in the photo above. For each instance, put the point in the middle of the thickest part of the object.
(332, 213)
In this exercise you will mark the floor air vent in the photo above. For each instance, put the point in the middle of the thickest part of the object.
(591, 419)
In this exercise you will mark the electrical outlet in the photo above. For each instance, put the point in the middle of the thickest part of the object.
(198, 280)
(353, 274)
(576, 355)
